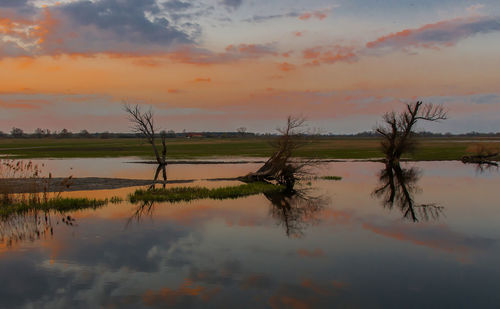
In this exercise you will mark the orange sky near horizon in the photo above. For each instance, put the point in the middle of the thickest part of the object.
(62, 70)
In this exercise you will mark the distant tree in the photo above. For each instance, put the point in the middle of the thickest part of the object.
(84, 133)
(170, 133)
(39, 132)
(16, 132)
(398, 131)
(2, 134)
(65, 133)
(241, 131)
(105, 135)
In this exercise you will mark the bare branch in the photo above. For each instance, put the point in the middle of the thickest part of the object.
(143, 123)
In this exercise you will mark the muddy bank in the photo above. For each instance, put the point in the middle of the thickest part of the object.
(14, 185)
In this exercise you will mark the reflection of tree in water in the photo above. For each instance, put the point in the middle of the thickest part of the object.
(295, 210)
(28, 227)
(397, 187)
(144, 209)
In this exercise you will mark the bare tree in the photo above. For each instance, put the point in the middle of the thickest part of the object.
(242, 131)
(16, 132)
(398, 131)
(143, 123)
(280, 166)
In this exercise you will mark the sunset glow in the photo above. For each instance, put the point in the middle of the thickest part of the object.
(215, 65)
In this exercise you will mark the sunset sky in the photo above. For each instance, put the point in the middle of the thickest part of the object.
(215, 65)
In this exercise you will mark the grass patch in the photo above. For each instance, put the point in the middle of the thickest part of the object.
(55, 204)
(179, 194)
(178, 148)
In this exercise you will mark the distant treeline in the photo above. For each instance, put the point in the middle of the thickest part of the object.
(46, 133)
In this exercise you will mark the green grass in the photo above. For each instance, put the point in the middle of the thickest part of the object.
(180, 148)
(179, 194)
(61, 205)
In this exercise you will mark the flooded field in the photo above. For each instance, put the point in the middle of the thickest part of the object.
(427, 238)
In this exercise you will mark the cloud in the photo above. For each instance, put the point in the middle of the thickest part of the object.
(99, 26)
(177, 5)
(178, 297)
(448, 240)
(251, 49)
(330, 54)
(13, 3)
(264, 18)
(437, 35)
(202, 80)
(286, 67)
(316, 253)
(318, 14)
(231, 4)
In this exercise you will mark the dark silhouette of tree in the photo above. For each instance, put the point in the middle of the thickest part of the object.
(398, 132)
(295, 211)
(84, 133)
(242, 131)
(280, 166)
(16, 132)
(65, 133)
(143, 123)
(39, 132)
(398, 186)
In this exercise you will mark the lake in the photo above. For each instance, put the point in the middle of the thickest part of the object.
(335, 244)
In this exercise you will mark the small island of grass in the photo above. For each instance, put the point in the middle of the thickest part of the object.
(179, 194)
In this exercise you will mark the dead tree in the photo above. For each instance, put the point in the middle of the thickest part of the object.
(143, 123)
(280, 167)
(398, 132)
(398, 186)
(482, 155)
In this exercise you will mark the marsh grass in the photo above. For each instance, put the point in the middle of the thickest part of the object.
(61, 205)
(179, 194)
(40, 198)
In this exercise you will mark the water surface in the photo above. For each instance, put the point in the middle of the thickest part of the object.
(338, 246)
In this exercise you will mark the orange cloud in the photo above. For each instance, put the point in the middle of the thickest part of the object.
(45, 27)
(318, 289)
(171, 297)
(316, 253)
(202, 80)
(18, 105)
(330, 54)
(279, 301)
(448, 241)
(286, 67)
(319, 14)
(173, 91)
(440, 34)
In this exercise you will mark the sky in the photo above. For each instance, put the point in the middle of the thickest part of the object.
(216, 65)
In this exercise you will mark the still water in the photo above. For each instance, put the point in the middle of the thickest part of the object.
(338, 244)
